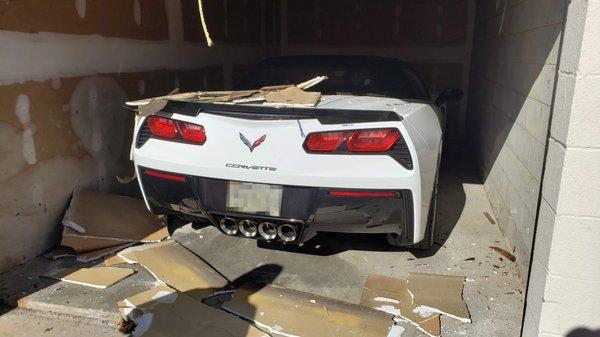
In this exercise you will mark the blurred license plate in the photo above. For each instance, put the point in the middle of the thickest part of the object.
(262, 199)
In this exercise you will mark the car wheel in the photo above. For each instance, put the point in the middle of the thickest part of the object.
(395, 240)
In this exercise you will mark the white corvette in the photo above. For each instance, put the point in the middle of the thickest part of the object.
(364, 159)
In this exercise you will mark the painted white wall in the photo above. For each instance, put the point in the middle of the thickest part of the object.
(564, 287)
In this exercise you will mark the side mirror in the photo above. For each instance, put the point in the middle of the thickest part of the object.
(447, 95)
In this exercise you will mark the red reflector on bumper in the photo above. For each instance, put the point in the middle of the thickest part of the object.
(166, 176)
(362, 194)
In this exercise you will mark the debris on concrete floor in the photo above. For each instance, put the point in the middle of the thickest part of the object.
(439, 294)
(504, 253)
(175, 266)
(392, 295)
(99, 277)
(162, 314)
(97, 224)
(289, 312)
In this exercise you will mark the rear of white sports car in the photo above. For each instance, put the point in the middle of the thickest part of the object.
(350, 164)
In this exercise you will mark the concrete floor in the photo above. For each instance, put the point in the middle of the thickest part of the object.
(330, 265)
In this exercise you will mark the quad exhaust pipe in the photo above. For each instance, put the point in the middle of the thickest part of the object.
(228, 226)
(248, 228)
(266, 230)
(287, 232)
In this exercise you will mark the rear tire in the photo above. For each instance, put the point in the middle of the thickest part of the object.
(395, 240)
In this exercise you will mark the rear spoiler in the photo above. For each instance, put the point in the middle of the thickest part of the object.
(262, 112)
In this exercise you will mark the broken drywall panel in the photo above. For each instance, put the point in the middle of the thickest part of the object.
(148, 298)
(82, 243)
(391, 295)
(439, 294)
(293, 96)
(175, 266)
(106, 215)
(100, 253)
(181, 315)
(289, 312)
(312, 82)
(114, 260)
(98, 277)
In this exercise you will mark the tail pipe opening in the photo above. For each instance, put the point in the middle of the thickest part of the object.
(248, 228)
(267, 230)
(228, 226)
(287, 232)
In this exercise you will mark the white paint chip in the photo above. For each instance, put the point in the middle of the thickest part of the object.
(396, 331)
(137, 12)
(390, 309)
(80, 6)
(22, 109)
(385, 299)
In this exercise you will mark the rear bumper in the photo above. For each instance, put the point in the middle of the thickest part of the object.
(311, 209)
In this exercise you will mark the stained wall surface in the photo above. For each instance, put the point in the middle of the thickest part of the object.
(67, 68)
(515, 53)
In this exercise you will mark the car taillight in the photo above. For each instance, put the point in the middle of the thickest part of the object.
(170, 129)
(379, 140)
(371, 140)
(192, 132)
(162, 127)
(325, 141)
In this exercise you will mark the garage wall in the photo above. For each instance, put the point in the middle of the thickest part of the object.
(515, 54)
(67, 67)
(562, 296)
(434, 35)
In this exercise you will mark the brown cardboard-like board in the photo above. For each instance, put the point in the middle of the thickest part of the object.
(284, 311)
(293, 96)
(81, 243)
(439, 293)
(102, 215)
(175, 266)
(392, 296)
(149, 298)
(183, 316)
(98, 277)
(100, 253)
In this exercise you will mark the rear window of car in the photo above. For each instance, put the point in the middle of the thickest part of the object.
(344, 77)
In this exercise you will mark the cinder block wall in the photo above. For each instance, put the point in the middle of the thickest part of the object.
(563, 293)
(68, 67)
(515, 53)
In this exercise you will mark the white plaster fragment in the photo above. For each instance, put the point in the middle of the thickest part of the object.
(167, 297)
(56, 83)
(22, 109)
(80, 6)
(422, 311)
(29, 147)
(385, 299)
(137, 12)
(390, 309)
(395, 331)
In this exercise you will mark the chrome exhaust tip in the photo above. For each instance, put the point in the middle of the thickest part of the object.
(267, 230)
(286, 232)
(248, 228)
(228, 226)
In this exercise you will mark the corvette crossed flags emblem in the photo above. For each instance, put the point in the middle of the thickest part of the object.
(252, 146)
